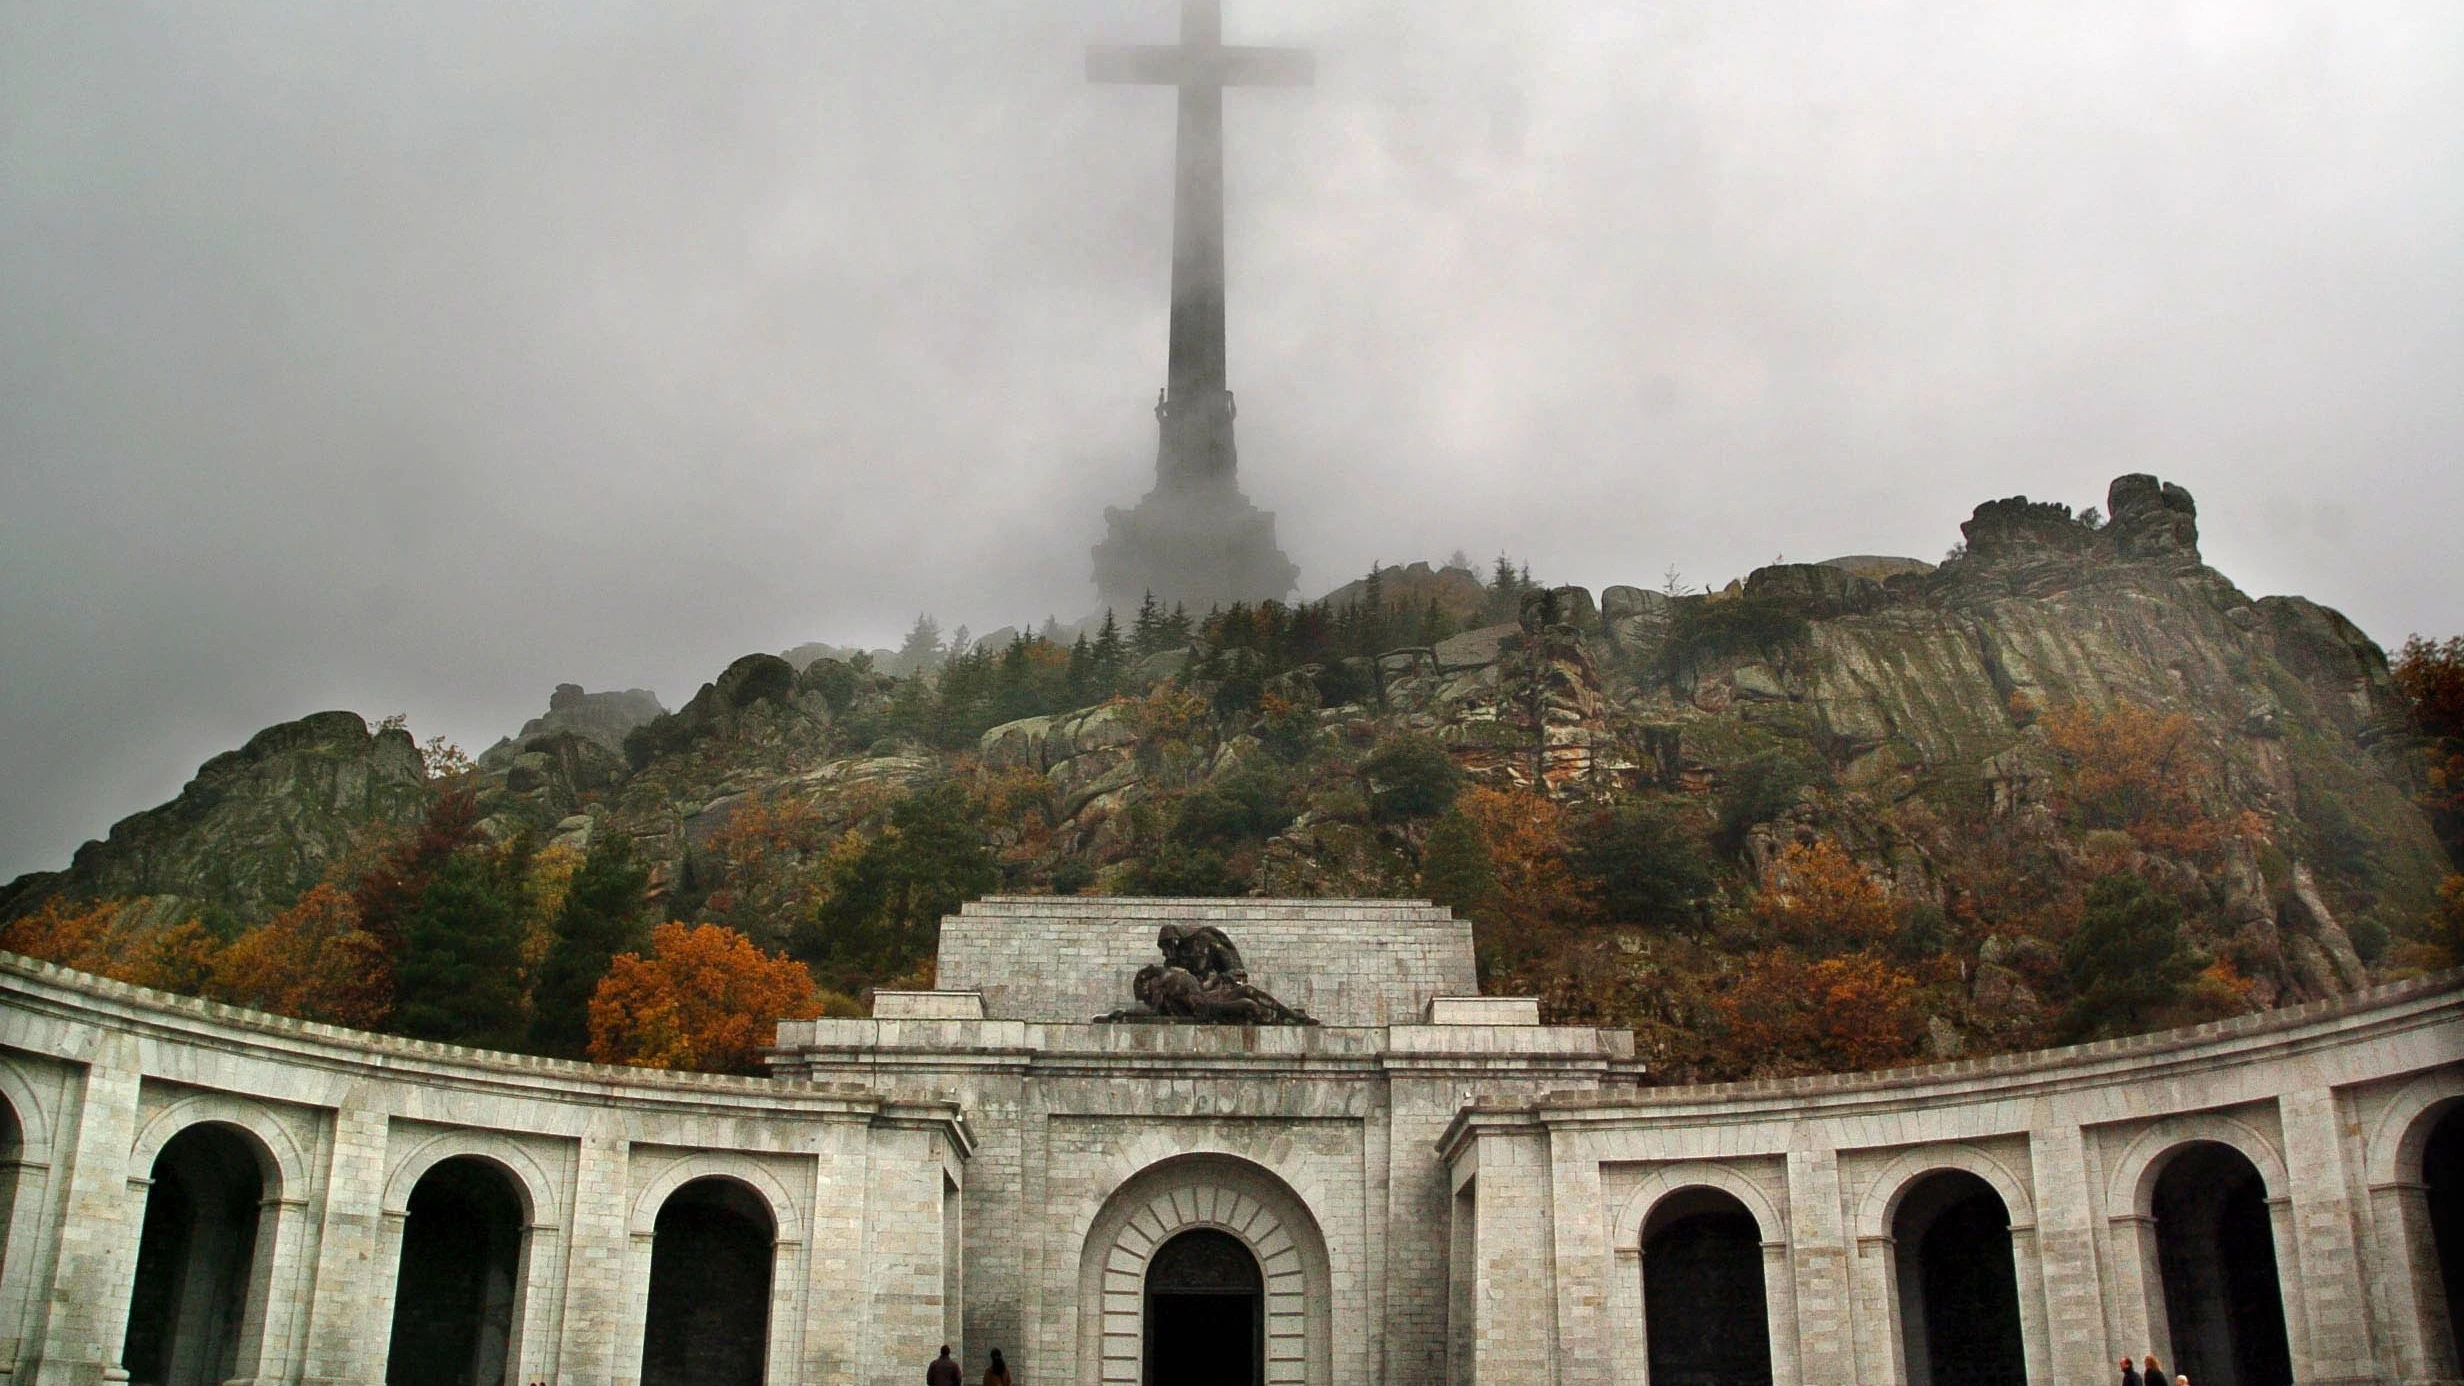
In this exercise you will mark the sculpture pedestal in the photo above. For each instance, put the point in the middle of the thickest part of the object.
(1198, 546)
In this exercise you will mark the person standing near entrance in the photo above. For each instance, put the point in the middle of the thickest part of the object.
(2152, 1370)
(997, 1374)
(2130, 1373)
(943, 1371)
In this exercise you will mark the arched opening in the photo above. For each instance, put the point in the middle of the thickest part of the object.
(2442, 1170)
(1205, 1312)
(1704, 1318)
(709, 1316)
(456, 1293)
(12, 1157)
(188, 1311)
(2216, 1249)
(1958, 1292)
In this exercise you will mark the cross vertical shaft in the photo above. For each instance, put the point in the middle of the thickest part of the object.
(1195, 447)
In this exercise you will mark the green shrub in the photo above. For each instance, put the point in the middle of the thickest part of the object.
(1250, 804)
(1178, 870)
(1760, 788)
(1411, 777)
(1649, 868)
(2126, 961)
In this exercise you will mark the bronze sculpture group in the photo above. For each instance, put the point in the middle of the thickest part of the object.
(1202, 980)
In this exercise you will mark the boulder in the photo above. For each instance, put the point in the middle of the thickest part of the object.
(1621, 603)
(1473, 649)
(1816, 589)
(2151, 520)
(1560, 606)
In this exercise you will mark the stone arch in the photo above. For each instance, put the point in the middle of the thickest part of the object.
(1770, 1219)
(1229, 1194)
(283, 1163)
(2403, 1130)
(2130, 1192)
(785, 1213)
(33, 1114)
(1882, 1197)
(538, 1190)
(2413, 1284)
(1668, 1180)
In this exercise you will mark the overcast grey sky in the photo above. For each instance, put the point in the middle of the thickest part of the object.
(417, 356)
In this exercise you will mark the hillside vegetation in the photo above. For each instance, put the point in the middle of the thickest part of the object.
(2071, 782)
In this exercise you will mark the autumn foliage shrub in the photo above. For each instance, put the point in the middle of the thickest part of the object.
(2133, 770)
(1820, 901)
(705, 998)
(127, 940)
(313, 961)
(1788, 1014)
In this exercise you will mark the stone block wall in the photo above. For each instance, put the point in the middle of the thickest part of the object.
(2330, 1106)
(1068, 959)
(98, 1078)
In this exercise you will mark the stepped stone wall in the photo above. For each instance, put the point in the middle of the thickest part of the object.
(1345, 962)
(1452, 1194)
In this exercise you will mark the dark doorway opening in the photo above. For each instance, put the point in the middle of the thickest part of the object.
(2216, 1248)
(709, 1317)
(1704, 1316)
(1205, 1313)
(2442, 1169)
(196, 1256)
(12, 1154)
(455, 1296)
(1958, 1292)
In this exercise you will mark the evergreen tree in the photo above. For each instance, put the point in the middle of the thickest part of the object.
(1146, 633)
(1108, 662)
(1455, 868)
(602, 917)
(883, 914)
(458, 978)
(922, 645)
(2126, 961)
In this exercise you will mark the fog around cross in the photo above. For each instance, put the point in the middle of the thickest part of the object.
(418, 358)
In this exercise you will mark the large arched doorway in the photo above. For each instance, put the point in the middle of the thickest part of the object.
(457, 1292)
(708, 1322)
(2442, 1171)
(2216, 1249)
(1205, 1312)
(1148, 1213)
(1958, 1291)
(190, 1308)
(1705, 1322)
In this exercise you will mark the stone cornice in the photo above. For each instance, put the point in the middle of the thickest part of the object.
(42, 994)
(2434, 1002)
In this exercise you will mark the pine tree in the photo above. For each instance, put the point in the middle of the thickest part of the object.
(2126, 961)
(1455, 868)
(458, 977)
(1108, 662)
(1146, 633)
(602, 917)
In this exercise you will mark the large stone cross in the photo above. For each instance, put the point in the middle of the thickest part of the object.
(1196, 412)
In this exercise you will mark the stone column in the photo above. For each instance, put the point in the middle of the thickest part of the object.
(1581, 1260)
(903, 1251)
(1873, 1300)
(540, 1274)
(2065, 1255)
(1779, 1292)
(346, 1340)
(2328, 1268)
(102, 1214)
(23, 1261)
(834, 1270)
(1818, 1253)
(2406, 1287)
(595, 1318)
(1514, 1290)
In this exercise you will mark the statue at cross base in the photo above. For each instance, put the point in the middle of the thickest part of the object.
(1195, 539)
(1201, 980)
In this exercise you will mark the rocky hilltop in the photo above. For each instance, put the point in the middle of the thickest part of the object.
(1940, 726)
(255, 827)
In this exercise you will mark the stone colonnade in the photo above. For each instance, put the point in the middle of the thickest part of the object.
(2317, 1118)
(98, 1082)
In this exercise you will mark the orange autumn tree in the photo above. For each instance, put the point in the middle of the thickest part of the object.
(312, 961)
(1853, 1012)
(136, 941)
(1530, 852)
(1820, 901)
(2137, 771)
(1825, 998)
(706, 998)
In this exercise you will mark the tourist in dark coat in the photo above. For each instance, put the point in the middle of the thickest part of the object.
(997, 1374)
(943, 1371)
(2153, 1371)
(2130, 1373)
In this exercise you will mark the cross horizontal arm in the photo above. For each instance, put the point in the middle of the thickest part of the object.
(1217, 67)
